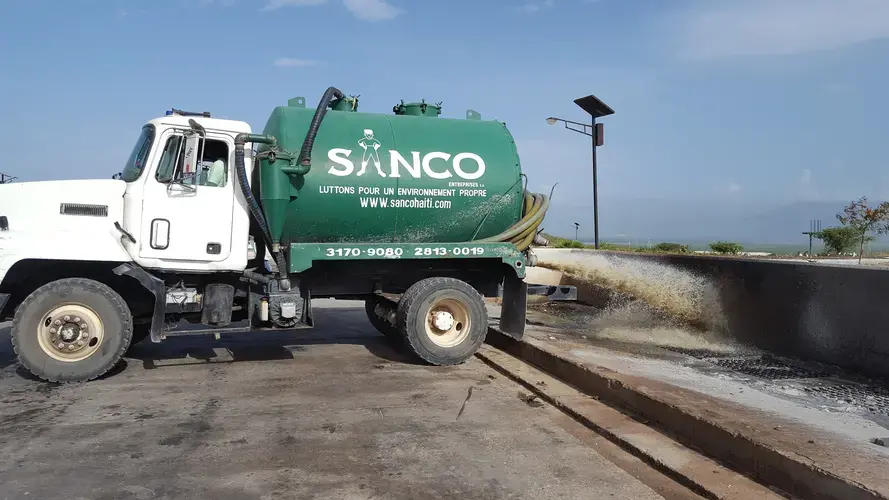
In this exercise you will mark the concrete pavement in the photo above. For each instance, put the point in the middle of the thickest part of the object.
(330, 413)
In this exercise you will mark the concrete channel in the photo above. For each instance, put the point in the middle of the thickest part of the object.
(823, 312)
(662, 341)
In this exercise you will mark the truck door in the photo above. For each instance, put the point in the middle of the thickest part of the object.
(187, 207)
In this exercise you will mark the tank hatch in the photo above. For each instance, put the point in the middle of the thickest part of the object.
(421, 108)
(345, 104)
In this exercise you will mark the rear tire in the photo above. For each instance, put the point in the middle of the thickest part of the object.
(71, 330)
(382, 325)
(444, 320)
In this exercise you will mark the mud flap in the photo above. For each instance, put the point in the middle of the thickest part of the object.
(308, 319)
(4, 297)
(514, 307)
(157, 288)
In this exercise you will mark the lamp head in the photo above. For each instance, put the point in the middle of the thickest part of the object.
(551, 120)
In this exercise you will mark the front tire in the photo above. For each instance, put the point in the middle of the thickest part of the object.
(71, 330)
(444, 320)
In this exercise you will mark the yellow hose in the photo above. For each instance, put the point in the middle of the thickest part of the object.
(522, 233)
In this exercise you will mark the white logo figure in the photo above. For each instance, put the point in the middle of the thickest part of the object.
(371, 146)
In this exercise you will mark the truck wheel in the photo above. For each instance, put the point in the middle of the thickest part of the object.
(377, 308)
(444, 320)
(71, 330)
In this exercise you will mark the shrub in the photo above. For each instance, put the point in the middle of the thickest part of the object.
(726, 247)
(841, 239)
(565, 243)
(671, 247)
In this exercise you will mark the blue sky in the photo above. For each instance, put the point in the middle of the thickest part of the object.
(747, 101)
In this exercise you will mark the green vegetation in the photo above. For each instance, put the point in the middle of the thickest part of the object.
(664, 247)
(841, 239)
(726, 247)
(829, 236)
(557, 242)
(570, 244)
(617, 247)
(864, 221)
(671, 248)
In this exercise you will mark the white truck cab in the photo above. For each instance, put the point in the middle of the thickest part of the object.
(175, 206)
(182, 205)
(175, 211)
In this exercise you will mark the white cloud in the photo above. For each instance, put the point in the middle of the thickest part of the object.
(734, 187)
(372, 10)
(366, 10)
(780, 27)
(289, 62)
(534, 7)
(807, 188)
(277, 4)
(806, 178)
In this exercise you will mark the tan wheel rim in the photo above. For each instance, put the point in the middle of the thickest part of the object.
(70, 332)
(448, 323)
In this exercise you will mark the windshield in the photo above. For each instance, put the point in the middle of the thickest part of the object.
(136, 164)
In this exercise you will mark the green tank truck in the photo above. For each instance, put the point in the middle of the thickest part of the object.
(210, 224)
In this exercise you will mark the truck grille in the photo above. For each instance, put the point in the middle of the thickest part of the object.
(87, 210)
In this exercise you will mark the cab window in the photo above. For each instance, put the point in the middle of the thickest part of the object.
(136, 163)
(210, 167)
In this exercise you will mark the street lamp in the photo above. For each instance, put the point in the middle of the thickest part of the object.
(596, 109)
(576, 227)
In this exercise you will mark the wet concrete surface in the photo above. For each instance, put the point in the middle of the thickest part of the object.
(809, 394)
(332, 413)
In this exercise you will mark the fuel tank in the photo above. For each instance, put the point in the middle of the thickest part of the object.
(409, 176)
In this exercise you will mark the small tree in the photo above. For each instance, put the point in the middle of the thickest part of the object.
(726, 247)
(865, 220)
(671, 247)
(840, 239)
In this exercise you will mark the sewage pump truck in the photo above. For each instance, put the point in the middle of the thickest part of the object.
(210, 228)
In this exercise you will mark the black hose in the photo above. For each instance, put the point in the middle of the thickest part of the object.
(240, 141)
(257, 277)
(305, 154)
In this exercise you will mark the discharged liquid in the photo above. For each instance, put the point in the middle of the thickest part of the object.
(642, 301)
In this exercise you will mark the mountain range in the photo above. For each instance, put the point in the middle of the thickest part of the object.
(643, 220)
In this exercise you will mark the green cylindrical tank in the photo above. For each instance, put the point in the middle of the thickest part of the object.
(401, 177)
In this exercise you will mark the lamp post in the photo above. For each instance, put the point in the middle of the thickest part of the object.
(576, 227)
(596, 131)
(814, 228)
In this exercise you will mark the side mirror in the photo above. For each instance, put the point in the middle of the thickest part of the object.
(192, 155)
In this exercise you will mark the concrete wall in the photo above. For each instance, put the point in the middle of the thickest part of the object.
(835, 314)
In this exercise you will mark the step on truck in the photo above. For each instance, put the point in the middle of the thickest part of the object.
(210, 228)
